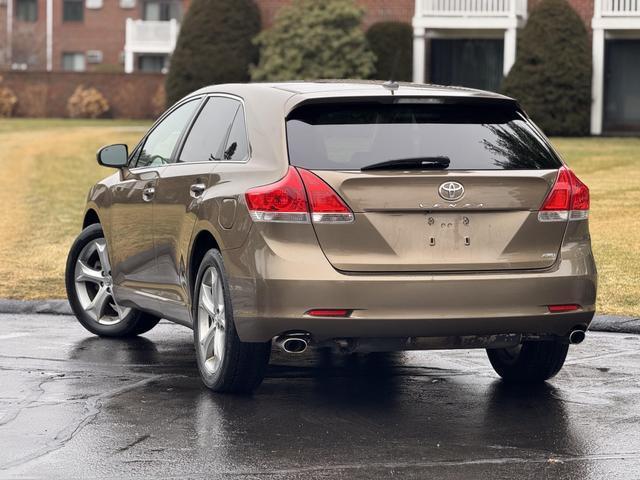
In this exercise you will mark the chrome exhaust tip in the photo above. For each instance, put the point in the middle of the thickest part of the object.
(292, 344)
(577, 336)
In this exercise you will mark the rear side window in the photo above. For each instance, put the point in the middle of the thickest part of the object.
(236, 149)
(208, 137)
(350, 136)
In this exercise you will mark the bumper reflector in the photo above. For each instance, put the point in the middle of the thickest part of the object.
(563, 308)
(329, 312)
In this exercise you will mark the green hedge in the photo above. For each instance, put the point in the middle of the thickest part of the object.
(392, 43)
(552, 74)
(313, 39)
(214, 46)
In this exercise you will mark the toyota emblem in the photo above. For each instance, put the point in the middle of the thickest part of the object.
(451, 191)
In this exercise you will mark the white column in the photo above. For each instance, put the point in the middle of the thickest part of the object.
(419, 54)
(49, 35)
(509, 53)
(173, 33)
(128, 53)
(597, 81)
(9, 33)
(128, 61)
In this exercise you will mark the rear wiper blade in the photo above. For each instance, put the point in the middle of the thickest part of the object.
(411, 163)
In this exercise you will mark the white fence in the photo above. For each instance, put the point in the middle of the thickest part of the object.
(620, 7)
(151, 36)
(475, 8)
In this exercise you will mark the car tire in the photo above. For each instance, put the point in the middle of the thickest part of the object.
(226, 364)
(530, 362)
(89, 290)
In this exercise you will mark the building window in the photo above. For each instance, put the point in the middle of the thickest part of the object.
(73, 10)
(27, 10)
(74, 62)
(152, 63)
(468, 62)
(161, 10)
(94, 56)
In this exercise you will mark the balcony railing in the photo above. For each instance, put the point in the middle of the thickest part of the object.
(143, 36)
(473, 8)
(620, 8)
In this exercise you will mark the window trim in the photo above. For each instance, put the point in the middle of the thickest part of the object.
(143, 5)
(143, 140)
(75, 54)
(66, 20)
(162, 56)
(18, 19)
(183, 139)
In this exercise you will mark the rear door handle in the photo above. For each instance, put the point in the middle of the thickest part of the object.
(197, 189)
(148, 193)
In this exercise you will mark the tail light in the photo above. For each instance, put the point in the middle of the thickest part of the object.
(567, 200)
(326, 205)
(580, 201)
(294, 198)
(283, 201)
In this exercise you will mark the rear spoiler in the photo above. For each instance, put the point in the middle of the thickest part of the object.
(498, 102)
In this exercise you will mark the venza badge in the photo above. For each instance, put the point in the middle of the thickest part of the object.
(451, 191)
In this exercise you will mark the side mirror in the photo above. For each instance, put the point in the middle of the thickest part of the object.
(114, 156)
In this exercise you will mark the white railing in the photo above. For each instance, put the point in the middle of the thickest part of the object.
(620, 8)
(473, 8)
(144, 36)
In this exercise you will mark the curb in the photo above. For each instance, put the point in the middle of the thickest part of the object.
(50, 307)
(615, 323)
(601, 323)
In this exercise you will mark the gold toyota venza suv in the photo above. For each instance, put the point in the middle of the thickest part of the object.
(361, 216)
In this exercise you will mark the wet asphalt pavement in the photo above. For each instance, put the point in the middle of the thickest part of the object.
(73, 405)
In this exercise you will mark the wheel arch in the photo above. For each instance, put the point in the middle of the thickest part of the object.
(203, 241)
(90, 218)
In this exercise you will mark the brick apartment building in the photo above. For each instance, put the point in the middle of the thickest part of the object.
(88, 35)
(112, 35)
(459, 42)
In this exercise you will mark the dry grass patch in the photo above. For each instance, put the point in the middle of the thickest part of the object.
(47, 171)
(611, 169)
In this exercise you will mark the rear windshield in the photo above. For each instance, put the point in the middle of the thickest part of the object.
(350, 136)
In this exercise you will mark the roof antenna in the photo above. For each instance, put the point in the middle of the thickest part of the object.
(392, 85)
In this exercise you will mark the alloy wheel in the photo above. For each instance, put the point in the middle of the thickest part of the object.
(211, 320)
(94, 285)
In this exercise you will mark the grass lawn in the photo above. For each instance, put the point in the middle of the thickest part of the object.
(48, 165)
(611, 169)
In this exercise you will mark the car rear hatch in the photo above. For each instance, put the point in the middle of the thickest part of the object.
(434, 187)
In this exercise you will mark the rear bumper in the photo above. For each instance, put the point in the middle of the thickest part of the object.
(272, 289)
